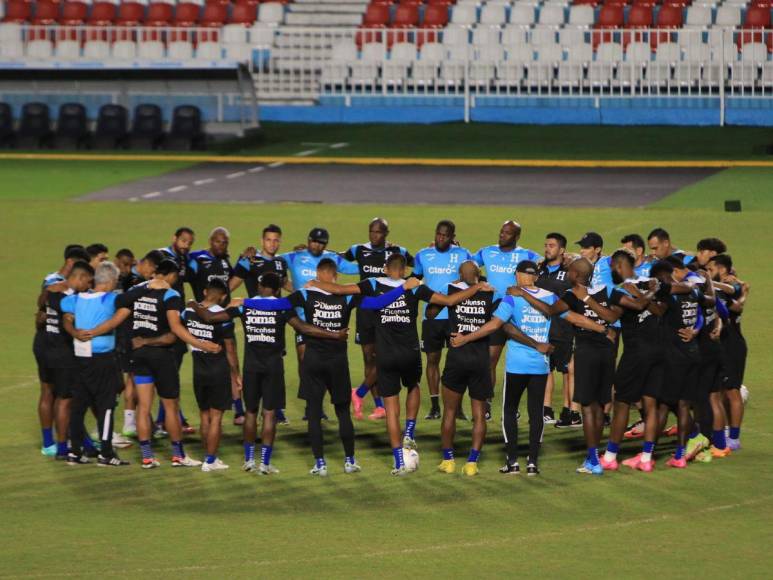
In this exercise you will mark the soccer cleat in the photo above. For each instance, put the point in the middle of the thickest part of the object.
(216, 466)
(532, 470)
(589, 469)
(73, 459)
(281, 418)
(238, 421)
(733, 444)
(185, 462)
(190, 430)
(249, 466)
(159, 433)
(609, 465)
(677, 463)
(646, 466)
(92, 453)
(49, 451)
(352, 467)
(548, 416)
(432, 415)
(150, 463)
(470, 468)
(269, 469)
(695, 446)
(113, 461)
(704, 456)
(120, 441)
(671, 431)
(400, 471)
(633, 462)
(719, 452)
(377, 414)
(564, 419)
(320, 471)
(576, 420)
(447, 466)
(409, 443)
(356, 405)
(510, 469)
(635, 431)
(129, 431)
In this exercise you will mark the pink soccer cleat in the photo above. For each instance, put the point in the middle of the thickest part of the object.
(646, 466)
(378, 414)
(678, 463)
(357, 405)
(633, 462)
(608, 465)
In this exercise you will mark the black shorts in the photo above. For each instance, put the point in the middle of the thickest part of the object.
(98, 380)
(561, 355)
(497, 338)
(264, 378)
(594, 373)
(45, 372)
(434, 335)
(124, 360)
(396, 367)
(159, 366)
(64, 380)
(366, 327)
(211, 382)
(180, 349)
(735, 361)
(639, 373)
(711, 374)
(323, 372)
(680, 378)
(468, 367)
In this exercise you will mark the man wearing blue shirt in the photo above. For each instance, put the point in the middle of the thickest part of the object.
(500, 262)
(635, 243)
(438, 265)
(659, 241)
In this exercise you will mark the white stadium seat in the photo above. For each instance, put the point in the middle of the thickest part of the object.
(517, 59)
(180, 50)
(96, 50)
(401, 56)
(209, 51)
(667, 55)
(514, 35)
(425, 69)
(464, 14)
(456, 35)
(11, 50)
(483, 68)
(698, 17)
(271, 13)
(728, 16)
(40, 49)
(581, 16)
(637, 57)
(262, 34)
(744, 73)
(483, 35)
(365, 69)
(234, 34)
(688, 71)
(241, 52)
(571, 71)
(336, 70)
(522, 15)
(68, 50)
(150, 50)
(551, 15)
(548, 57)
(124, 50)
(493, 14)
(452, 68)
(602, 70)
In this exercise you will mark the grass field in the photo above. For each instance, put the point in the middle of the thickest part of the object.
(711, 521)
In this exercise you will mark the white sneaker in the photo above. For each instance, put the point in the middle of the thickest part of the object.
(185, 462)
(352, 467)
(269, 469)
(400, 471)
(249, 466)
(409, 443)
(120, 441)
(216, 466)
(320, 471)
(129, 431)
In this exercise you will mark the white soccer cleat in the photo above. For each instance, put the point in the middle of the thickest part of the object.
(121, 442)
(269, 469)
(400, 471)
(250, 466)
(216, 466)
(319, 471)
(352, 467)
(185, 462)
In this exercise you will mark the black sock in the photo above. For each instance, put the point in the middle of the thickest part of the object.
(435, 400)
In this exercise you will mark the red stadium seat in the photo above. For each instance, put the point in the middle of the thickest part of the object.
(186, 14)
(214, 15)
(73, 13)
(415, 3)
(130, 14)
(610, 17)
(376, 15)
(616, 3)
(763, 3)
(593, 3)
(46, 13)
(220, 2)
(440, 2)
(159, 14)
(102, 14)
(670, 17)
(244, 13)
(757, 17)
(639, 17)
(406, 16)
(17, 11)
(435, 16)
(679, 3)
(649, 3)
(248, 2)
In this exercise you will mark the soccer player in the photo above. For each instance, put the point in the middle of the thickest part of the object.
(635, 243)
(253, 265)
(707, 248)
(302, 265)
(263, 372)
(659, 242)
(156, 325)
(72, 253)
(500, 262)
(325, 366)
(60, 366)
(124, 261)
(438, 266)
(371, 259)
(178, 251)
(733, 342)
(594, 355)
(552, 276)
(98, 379)
(97, 254)
(398, 360)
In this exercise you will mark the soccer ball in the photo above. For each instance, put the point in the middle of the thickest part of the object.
(411, 458)
(744, 394)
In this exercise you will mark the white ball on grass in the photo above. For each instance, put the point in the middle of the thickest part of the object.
(411, 458)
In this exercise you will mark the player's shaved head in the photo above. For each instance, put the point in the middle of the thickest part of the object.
(469, 272)
(580, 271)
(218, 241)
(509, 234)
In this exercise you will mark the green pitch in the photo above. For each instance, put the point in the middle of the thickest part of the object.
(709, 520)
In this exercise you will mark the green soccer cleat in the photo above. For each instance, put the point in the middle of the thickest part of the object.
(695, 446)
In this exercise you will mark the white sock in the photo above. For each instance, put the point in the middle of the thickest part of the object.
(128, 419)
(645, 457)
(609, 456)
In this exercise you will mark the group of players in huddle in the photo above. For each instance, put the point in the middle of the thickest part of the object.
(109, 327)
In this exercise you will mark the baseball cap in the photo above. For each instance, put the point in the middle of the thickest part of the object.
(590, 240)
(527, 267)
(319, 235)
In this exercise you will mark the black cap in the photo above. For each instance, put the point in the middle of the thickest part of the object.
(591, 240)
(319, 235)
(527, 267)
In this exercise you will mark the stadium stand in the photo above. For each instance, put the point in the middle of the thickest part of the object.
(112, 129)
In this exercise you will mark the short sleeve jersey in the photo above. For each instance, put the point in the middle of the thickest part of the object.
(303, 265)
(216, 332)
(554, 279)
(500, 264)
(149, 310)
(203, 267)
(469, 315)
(639, 327)
(396, 324)
(371, 261)
(182, 267)
(439, 269)
(58, 343)
(522, 359)
(601, 294)
(682, 313)
(264, 331)
(251, 269)
(326, 311)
